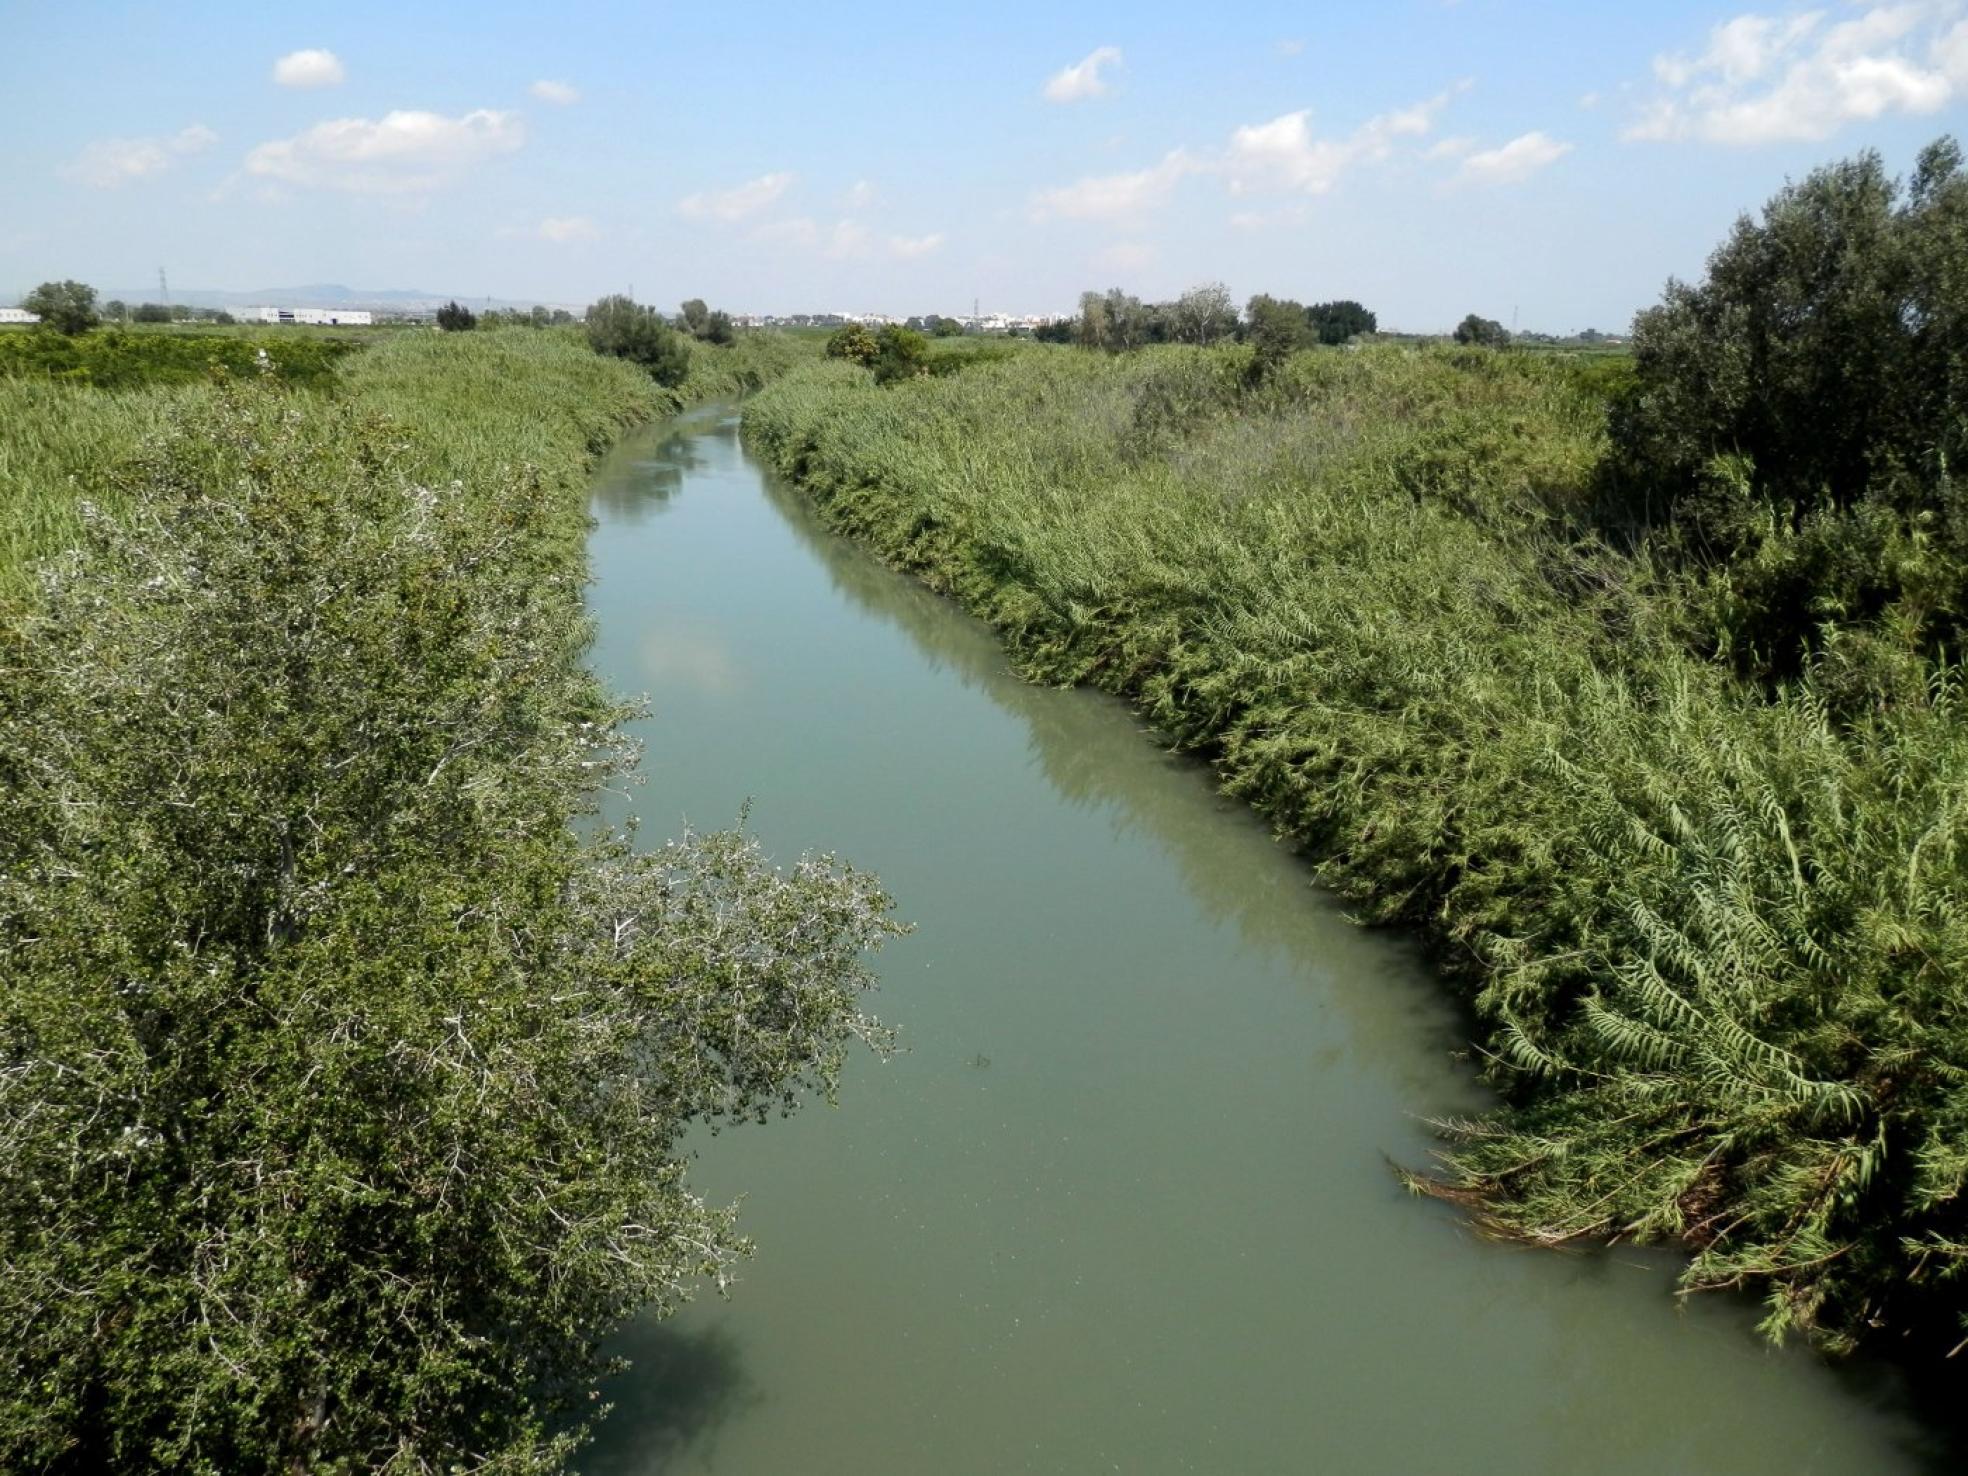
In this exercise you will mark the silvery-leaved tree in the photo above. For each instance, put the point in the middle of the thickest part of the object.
(342, 1078)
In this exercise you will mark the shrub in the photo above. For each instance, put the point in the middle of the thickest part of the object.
(1475, 331)
(455, 318)
(342, 1082)
(854, 343)
(899, 354)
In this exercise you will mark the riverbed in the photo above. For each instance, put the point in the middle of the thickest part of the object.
(1124, 1202)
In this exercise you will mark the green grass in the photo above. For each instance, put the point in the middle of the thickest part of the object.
(1716, 941)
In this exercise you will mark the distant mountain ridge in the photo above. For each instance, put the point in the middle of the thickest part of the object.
(317, 294)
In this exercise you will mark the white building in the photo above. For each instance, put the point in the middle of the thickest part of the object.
(319, 317)
(18, 315)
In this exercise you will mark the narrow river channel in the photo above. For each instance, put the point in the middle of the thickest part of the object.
(1124, 1203)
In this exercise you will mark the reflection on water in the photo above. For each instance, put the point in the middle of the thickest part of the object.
(1124, 1203)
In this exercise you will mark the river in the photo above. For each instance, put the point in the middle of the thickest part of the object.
(1124, 1202)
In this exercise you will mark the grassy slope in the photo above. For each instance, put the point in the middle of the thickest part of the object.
(1716, 943)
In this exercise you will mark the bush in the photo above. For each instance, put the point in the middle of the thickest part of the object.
(628, 330)
(854, 343)
(1479, 332)
(899, 354)
(455, 318)
(342, 1082)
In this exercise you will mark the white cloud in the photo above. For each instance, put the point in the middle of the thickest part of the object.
(1772, 79)
(311, 68)
(1082, 80)
(560, 94)
(849, 238)
(1124, 256)
(1450, 148)
(1291, 46)
(1116, 196)
(110, 162)
(1515, 161)
(565, 228)
(845, 240)
(1285, 154)
(403, 152)
(860, 195)
(798, 230)
(737, 202)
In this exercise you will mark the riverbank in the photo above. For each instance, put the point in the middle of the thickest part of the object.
(1713, 937)
(344, 1057)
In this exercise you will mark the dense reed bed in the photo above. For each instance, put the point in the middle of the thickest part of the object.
(1714, 938)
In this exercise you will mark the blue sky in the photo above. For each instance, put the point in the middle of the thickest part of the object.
(1552, 162)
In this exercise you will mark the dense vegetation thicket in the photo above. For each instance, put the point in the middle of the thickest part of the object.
(1416, 607)
(119, 360)
(1796, 425)
(341, 1076)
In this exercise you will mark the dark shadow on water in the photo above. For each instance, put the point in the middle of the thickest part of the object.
(681, 1388)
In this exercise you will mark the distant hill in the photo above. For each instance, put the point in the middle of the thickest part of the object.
(318, 294)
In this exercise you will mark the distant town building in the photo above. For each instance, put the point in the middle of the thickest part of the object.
(319, 317)
(18, 315)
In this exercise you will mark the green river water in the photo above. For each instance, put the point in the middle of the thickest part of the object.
(1124, 1202)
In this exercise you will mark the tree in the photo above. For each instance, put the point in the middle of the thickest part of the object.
(694, 317)
(628, 330)
(151, 312)
(1092, 327)
(454, 317)
(1336, 322)
(66, 307)
(1801, 414)
(899, 354)
(1202, 315)
(853, 343)
(1276, 329)
(1114, 320)
(1482, 332)
(941, 327)
(116, 310)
